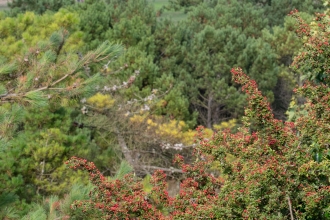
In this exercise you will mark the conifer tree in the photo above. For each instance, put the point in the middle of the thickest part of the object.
(276, 170)
(200, 51)
(42, 79)
(26, 30)
(127, 21)
(277, 10)
(39, 7)
(287, 164)
(273, 11)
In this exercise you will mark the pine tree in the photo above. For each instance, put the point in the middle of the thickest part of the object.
(33, 144)
(18, 6)
(277, 10)
(277, 170)
(26, 30)
(127, 21)
(200, 51)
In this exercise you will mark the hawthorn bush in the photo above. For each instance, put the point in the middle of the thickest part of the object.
(269, 169)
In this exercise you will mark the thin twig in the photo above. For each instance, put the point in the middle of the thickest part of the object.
(171, 169)
(290, 207)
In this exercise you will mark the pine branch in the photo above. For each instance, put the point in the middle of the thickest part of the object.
(104, 52)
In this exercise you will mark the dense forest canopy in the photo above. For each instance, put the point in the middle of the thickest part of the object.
(131, 86)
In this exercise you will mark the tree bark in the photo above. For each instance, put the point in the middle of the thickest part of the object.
(127, 153)
(209, 111)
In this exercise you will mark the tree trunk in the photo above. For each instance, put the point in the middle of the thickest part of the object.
(209, 111)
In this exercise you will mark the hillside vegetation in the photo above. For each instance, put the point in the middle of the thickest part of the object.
(104, 103)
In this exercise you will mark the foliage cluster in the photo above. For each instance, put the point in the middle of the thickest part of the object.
(64, 91)
(42, 82)
(267, 173)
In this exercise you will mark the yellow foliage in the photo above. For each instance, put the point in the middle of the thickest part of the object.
(138, 118)
(189, 137)
(226, 125)
(173, 129)
(101, 101)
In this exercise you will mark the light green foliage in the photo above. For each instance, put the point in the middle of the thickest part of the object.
(57, 99)
(124, 169)
(10, 116)
(37, 133)
(147, 187)
(48, 151)
(48, 65)
(27, 30)
(101, 101)
(56, 208)
(36, 155)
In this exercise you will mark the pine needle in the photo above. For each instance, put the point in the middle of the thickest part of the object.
(124, 169)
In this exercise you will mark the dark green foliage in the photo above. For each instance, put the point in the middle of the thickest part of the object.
(44, 84)
(94, 22)
(133, 23)
(199, 52)
(39, 6)
(248, 18)
(276, 10)
(126, 21)
(165, 49)
(41, 89)
(36, 155)
(187, 4)
(6, 199)
(270, 11)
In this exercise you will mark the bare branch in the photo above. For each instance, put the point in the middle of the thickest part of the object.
(171, 169)
(290, 207)
(124, 149)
